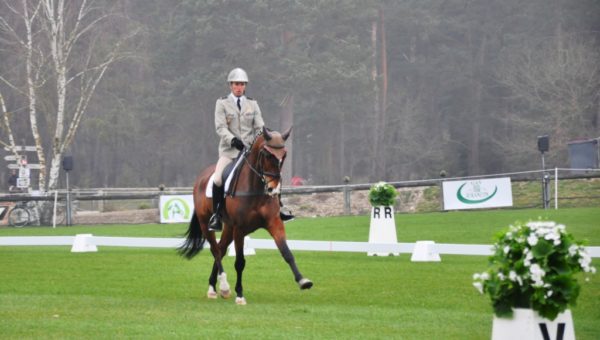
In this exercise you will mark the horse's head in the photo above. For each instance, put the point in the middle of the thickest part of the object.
(271, 155)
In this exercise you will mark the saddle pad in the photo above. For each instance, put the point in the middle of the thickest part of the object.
(211, 180)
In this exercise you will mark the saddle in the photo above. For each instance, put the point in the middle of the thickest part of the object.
(230, 174)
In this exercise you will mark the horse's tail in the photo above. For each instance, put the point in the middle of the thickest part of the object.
(194, 240)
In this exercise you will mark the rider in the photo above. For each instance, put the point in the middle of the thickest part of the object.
(237, 121)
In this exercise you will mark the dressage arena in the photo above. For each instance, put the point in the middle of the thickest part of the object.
(144, 292)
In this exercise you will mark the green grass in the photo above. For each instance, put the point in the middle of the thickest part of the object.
(48, 292)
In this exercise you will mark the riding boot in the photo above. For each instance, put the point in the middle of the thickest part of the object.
(284, 216)
(218, 199)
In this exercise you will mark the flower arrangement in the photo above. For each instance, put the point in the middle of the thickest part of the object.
(382, 193)
(534, 266)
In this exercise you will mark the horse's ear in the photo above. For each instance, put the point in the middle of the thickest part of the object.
(286, 134)
(267, 134)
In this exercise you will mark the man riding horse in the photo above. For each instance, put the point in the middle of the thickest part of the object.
(237, 121)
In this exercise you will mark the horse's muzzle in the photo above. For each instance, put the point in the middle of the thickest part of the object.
(274, 191)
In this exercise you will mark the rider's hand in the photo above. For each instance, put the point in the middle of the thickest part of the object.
(238, 144)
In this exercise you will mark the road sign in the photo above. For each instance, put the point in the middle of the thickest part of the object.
(29, 166)
(23, 182)
(30, 148)
(24, 172)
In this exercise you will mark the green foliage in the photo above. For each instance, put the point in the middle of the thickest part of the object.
(534, 266)
(382, 194)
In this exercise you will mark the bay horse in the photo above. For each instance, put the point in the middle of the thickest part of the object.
(251, 204)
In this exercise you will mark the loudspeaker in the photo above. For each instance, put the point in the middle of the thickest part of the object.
(67, 163)
(543, 143)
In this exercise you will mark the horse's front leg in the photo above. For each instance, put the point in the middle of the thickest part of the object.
(240, 264)
(277, 231)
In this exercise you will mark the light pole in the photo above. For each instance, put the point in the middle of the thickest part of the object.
(67, 164)
(543, 146)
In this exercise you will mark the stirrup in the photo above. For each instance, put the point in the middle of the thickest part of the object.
(285, 217)
(214, 224)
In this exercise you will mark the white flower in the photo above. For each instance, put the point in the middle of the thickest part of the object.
(512, 275)
(554, 236)
(501, 277)
(549, 293)
(476, 276)
(528, 258)
(537, 274)
(573, 250)
(532, 240)
(485, 276)
(506, 249)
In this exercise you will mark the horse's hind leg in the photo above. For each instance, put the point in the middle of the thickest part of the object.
(212, 282)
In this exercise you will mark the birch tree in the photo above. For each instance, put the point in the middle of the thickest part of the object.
(74, 35)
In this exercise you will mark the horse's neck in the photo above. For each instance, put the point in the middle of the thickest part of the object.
(248, 179)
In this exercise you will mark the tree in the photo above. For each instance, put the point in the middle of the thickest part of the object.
(81, 41)
(553, 88)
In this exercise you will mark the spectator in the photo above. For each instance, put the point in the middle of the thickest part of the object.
(12, 181)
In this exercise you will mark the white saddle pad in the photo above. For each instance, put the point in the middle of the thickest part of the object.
(211, 180)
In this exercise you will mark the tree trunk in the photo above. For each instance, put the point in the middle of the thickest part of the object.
(287, 121)
(376, 105)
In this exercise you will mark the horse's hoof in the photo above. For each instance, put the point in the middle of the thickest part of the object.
(305, 283)
(211, 294)
(240, 301)
(225, 294)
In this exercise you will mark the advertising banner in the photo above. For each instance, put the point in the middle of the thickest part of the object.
(176, 208)
(478, 193)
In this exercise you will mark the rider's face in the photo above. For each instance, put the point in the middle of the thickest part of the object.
(237, 88)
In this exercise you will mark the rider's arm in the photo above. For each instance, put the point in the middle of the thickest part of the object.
(221, 124)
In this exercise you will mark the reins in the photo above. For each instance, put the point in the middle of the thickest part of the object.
(260, 173)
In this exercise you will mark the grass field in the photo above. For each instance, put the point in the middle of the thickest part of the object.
(48, 292)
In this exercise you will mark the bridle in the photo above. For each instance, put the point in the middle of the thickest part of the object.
(258, 168)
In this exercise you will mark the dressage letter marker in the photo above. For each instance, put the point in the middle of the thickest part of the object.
(383, 228)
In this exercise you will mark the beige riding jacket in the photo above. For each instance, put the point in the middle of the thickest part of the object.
(232, 122)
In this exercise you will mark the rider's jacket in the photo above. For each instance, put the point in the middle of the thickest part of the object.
(231, 122)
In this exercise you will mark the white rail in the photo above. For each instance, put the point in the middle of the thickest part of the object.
(331, 246)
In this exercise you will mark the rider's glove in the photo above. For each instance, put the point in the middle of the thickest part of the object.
(236, 143)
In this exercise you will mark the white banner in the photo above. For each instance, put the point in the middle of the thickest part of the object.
(176, 208)
(479, 193)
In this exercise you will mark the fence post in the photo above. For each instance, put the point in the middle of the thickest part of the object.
(347, 191)
(556, 188)
(101, 201)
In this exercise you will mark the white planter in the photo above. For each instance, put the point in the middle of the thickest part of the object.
(528, 324)
(382, 228)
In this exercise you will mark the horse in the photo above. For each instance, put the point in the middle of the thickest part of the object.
(251, 204)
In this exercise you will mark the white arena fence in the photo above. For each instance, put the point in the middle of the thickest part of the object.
(328, 246)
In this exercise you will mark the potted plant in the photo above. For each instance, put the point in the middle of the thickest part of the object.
(532, 275)
(382, 197)
(382, 194)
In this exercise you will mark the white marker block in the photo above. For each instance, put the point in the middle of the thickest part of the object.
(424, 251)
(83, 244)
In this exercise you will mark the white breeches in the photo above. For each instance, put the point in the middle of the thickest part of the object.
(221, 164)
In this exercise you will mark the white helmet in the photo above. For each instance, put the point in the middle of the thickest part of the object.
(238, 75)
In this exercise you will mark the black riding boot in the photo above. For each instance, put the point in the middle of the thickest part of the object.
(218, 199)
(284, 217)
